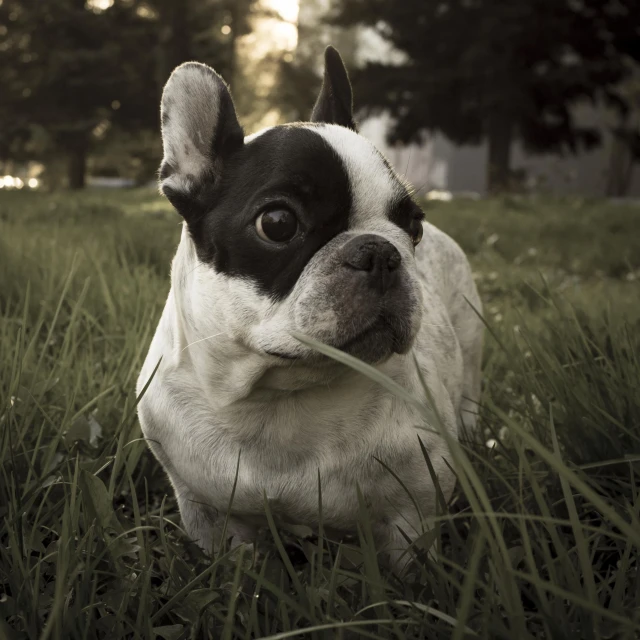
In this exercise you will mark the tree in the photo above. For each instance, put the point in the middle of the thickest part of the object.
(299, 76)
(69, 75)
(76, 75)
(203, 30)
(496, 70)
(625, 142)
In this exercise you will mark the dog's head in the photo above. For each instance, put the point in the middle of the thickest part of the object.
(302, 227)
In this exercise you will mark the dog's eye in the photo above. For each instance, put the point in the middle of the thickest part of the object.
(279, 225)
(416, 231)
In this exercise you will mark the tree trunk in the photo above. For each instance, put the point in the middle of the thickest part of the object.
(500, 136)
(621, 163)
(174, 39)
(232, 51)
(77, 167)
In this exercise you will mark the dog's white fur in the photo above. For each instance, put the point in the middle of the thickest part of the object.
(180, 147)
(220, 406)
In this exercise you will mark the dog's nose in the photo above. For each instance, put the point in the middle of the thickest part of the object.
(377, 257)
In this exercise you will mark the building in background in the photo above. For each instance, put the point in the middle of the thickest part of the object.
(437, 164)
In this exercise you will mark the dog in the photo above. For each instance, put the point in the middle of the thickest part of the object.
(302, 229)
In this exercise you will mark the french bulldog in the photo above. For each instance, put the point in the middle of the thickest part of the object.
(302, 229)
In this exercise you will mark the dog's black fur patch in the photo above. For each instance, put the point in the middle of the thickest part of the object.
(288, 166)
(335, 101)
(403, 211)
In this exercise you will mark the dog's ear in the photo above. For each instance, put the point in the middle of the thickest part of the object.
(335, 102)
(200, 130)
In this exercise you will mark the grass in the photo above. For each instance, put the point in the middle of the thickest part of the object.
(542, 536)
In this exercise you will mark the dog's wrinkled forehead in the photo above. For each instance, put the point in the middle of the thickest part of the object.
(375, 188)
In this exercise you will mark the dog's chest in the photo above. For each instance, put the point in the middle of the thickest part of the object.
(282, 451)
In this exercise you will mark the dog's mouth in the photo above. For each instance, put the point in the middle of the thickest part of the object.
(378, 341)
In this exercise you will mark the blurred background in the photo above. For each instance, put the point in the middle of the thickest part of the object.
(466, 97)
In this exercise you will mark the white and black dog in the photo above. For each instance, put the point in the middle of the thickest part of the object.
(301, 228)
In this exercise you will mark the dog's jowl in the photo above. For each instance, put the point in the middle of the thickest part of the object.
(302, 229)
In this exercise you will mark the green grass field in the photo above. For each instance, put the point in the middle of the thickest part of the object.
(541, 539)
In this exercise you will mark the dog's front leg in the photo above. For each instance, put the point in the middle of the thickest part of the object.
(210, 528)
(396, 549)
(198, 519)
(203, 523)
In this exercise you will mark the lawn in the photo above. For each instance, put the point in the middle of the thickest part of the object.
(540, 540)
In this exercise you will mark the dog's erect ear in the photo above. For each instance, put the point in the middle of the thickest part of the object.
(335, 102)
(200, 130)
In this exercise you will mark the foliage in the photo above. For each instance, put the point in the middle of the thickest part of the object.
(300, 77)
(68, 75)
(78, 79)
(497, 70)
(541, 539)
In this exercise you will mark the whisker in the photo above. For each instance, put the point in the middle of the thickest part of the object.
(422, 186)
(203, 339)
(406, 170)
(200, 264)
